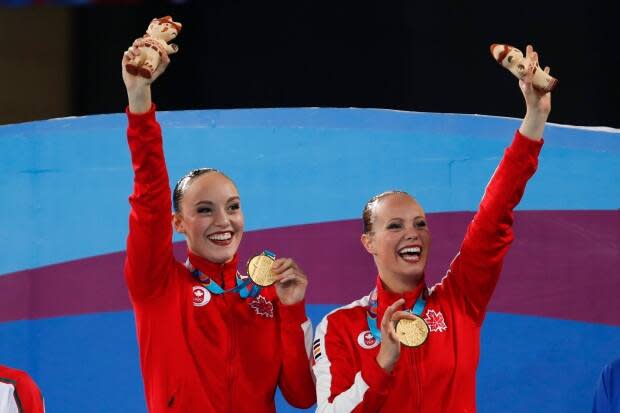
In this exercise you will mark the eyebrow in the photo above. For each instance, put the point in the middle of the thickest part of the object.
(403, 219)
(233, 198)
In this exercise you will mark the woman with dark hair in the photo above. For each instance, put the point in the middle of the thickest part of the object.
(406, 347)
(209, 340)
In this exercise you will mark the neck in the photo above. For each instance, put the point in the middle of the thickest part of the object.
(400, 285)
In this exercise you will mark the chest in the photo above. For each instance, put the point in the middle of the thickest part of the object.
(225, 320)
(450, 350)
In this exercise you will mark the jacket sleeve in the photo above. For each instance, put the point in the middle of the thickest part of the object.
(149, 257)
(475, 270)
(29, 395)
(296, 380)
(341, 387)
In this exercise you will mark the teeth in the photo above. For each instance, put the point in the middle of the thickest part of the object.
(221, 237)
(410, 250)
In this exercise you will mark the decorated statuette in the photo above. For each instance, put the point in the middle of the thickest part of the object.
(512, 59)
(153, 45)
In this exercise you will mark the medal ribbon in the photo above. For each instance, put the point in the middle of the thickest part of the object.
(373, 306)
(215, 288)
(242, 283)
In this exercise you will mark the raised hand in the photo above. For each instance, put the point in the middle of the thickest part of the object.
(138, 87)
(537, 103)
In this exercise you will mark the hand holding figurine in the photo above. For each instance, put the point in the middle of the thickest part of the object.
(153, 46)
(512, 59)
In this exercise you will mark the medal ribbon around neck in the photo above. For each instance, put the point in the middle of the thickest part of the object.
(373, 306)
(242, 282)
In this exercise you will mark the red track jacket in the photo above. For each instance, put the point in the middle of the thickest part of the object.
(19, 393)
(201, 352)
(440, 375)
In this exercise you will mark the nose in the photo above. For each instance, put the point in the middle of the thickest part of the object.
(221, 218)
(412, 234)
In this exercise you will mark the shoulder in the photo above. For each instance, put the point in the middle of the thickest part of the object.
(342, 317)
(19, 378)
(8, 373)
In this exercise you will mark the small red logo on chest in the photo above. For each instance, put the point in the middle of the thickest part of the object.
(262, 306)
(435, 321)
(366, 340)
(200, 296)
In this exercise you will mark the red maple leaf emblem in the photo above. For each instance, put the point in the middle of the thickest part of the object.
(262, 306)
(435, 321)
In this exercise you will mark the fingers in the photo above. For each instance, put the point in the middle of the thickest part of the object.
(132, 52)
(287, 270)
(386, 322)
(400, 315)
(547, 69)
(283, 264)
(291, 274)
(138, 42)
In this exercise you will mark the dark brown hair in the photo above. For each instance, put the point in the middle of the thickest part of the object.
(183, 184)
(368, 213)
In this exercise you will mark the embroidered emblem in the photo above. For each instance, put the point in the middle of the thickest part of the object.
(262, 306)
(435, 321)
(201, 296)
(316, 349)
(366, 340)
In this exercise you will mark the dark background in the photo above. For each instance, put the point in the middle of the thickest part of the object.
(412, 55)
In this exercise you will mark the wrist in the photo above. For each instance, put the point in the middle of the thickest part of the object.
(386, 363)
(139, 100)
(533, 124)
(537, 114)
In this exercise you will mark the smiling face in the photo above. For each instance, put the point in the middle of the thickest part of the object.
(398, 239)
(210, 217)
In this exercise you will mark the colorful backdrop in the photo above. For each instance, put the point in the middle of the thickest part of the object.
(304, 176)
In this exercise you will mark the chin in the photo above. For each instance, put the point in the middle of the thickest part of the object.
(217, 255)
(414, 272)
(221, 258)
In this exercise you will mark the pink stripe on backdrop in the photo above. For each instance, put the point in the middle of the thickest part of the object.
(564, 264)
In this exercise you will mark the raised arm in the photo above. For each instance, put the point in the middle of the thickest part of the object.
(149, 244)
(475, 270)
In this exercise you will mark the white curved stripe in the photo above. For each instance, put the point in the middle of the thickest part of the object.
(346, 401)
(306, 327)
(8, 404)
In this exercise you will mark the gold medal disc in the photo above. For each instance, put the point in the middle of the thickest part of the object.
(259, 270)
(412, 333)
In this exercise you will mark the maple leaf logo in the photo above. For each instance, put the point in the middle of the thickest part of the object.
(435, 321)
(262, 306)
(201, 296)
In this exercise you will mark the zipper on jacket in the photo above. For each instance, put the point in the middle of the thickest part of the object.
(415, 363)
(230, 302)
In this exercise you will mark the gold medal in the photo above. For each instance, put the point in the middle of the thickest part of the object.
(259, 270)
(412, 333)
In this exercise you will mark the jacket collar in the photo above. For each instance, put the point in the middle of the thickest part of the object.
(386, 298)
(220, 273)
